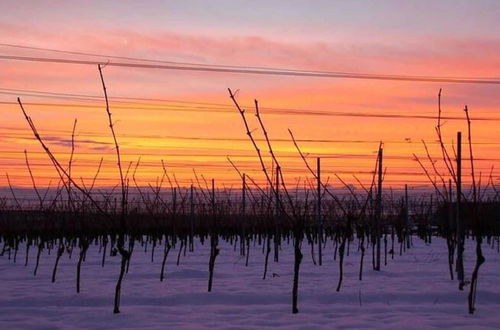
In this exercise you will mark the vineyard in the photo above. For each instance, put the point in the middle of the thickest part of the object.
(276, 230)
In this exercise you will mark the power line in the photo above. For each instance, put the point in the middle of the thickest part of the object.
(273, 111)
(243, 70)
(248, 167)
(65, 133)
(424, 181)
(210, 107)
(167, 154)
(304, 171)
(129, 100)
(100, 98)
(107, 56)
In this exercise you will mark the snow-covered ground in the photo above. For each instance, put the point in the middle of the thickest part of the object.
(412, 292)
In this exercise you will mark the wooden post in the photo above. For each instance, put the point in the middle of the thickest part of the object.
(379, 207)
(243, 195)
(246, 235)
(319, 218)
(459, 220)
(297, 260)
(243, 212)
(278, 215)
(407, 218)
(449, 235)
(191, 218)
(214, 250)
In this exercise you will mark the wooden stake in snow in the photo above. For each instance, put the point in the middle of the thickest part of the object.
(191, 218)
(460, 225)
(378, 208)
(319, 216)
(214, 250)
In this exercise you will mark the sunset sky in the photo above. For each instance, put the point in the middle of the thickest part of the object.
(187, 119)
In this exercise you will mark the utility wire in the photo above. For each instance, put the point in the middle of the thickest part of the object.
(243, 70)
(65, 133)
(107, 56)
(271, 111)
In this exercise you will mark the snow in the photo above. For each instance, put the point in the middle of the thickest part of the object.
(412, 292)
